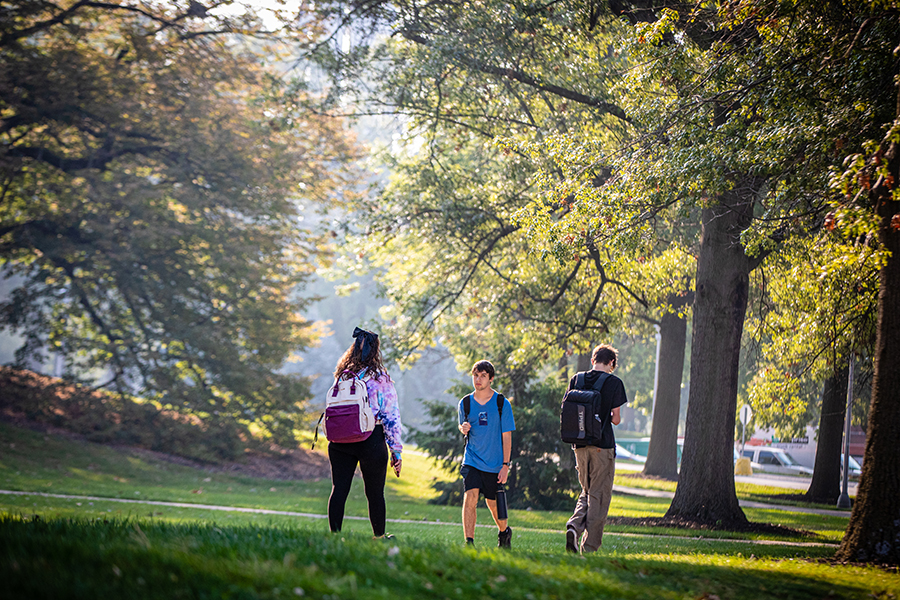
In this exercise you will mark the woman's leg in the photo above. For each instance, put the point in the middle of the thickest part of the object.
(343, 465)
(373, 464)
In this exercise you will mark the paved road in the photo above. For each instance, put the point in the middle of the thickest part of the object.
(785, 481)
(767, 479)
(629, 491)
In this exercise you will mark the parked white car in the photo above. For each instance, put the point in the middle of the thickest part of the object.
(774, 460)
(855, 468)
(622, 453)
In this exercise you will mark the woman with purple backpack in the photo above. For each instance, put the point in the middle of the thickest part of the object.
(363, 360)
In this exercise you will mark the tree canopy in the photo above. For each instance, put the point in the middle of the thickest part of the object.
(736, 118)
(152, 173)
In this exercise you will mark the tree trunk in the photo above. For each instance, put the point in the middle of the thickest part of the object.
(826, 480)
(662, 456)
(705, 491)
(584, 361)
(563, 366)
(873, 534)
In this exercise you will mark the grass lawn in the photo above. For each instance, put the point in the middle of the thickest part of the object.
(67, 548)
(152, 558)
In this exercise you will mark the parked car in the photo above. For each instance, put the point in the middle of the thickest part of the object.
(774, 460)
(637, 448)
(624, 453)
(855, 467)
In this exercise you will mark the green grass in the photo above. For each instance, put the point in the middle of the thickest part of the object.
(42, 463)
(61, 548)
(146, 558)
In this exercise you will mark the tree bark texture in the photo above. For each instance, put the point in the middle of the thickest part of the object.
(584, 361)
(873, 534)
(563, 366)
(825, 486)
(705, 491)
(662, 456)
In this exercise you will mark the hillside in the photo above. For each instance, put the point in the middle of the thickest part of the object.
(52, 405)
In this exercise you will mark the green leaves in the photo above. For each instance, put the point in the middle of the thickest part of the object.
(149, 207)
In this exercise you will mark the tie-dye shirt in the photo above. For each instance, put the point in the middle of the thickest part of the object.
(386, 406)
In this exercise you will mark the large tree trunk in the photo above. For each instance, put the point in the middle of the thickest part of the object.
(873, 534)
(825, 486)
(662, 456)
(705, 491)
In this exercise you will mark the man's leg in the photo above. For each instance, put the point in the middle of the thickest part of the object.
(602, 471)
(470, 502)
(577, 523)
(492, 506)
(504, 532)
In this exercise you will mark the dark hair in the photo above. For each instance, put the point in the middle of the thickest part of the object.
(605, 354)
(363, 353)
(484, 366)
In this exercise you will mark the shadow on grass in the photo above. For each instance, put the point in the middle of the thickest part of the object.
(144, 559)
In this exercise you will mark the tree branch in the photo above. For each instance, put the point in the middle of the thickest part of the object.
(69, 165)
(524, 78)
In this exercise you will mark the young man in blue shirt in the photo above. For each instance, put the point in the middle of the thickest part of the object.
(489, 441)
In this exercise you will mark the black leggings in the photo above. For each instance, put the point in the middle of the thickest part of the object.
(372, 456)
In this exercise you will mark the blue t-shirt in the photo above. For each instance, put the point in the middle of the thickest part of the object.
(484, 450)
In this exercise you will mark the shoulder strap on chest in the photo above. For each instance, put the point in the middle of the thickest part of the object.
(467, 405)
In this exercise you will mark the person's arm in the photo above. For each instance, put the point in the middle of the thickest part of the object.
(507, 449)
(616, 416)
(463, 425)
(619, 401)
(389, 413)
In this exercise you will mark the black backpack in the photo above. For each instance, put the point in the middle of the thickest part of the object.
(583, 413)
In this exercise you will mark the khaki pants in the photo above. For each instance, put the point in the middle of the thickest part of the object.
(596, 470)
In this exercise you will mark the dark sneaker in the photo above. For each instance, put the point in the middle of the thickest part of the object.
(504, 538)
(470, 542)
(571, 541)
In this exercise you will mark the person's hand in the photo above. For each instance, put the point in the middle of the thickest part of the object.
(503, 474)
(465, 427)
(397, 464)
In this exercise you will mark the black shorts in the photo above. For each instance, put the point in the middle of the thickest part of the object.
(474, 479)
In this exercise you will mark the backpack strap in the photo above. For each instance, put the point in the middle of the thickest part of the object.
(579, 380)
(598, 385)
(467, 406)
(316, 437)
(603, 414)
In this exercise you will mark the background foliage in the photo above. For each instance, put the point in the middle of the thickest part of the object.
(150, 174)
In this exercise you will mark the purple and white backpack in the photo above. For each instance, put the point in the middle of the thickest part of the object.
(348, 415)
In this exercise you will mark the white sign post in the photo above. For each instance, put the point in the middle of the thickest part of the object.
(746, 413)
